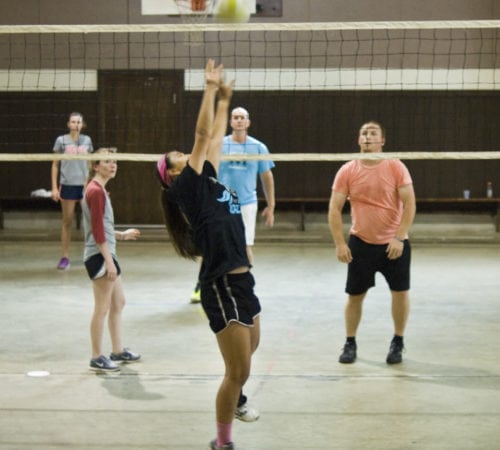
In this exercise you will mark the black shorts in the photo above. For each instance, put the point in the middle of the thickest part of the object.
(96, 268)
(68, 192)
(230, 298)
(367, 259)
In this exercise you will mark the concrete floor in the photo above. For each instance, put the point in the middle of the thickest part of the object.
(445, 395)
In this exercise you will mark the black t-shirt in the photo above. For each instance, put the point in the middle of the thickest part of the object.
(214, 213)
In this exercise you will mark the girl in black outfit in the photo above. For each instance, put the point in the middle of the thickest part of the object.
(203, 219)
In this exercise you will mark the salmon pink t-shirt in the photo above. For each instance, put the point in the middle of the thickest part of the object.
(372, 191)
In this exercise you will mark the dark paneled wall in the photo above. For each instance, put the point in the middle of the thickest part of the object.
(30, 123)
(328, 122)
(293, 122)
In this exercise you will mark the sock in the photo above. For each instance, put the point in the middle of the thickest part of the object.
(242, 400)
(397, 339)
(223, 433)
(351, 340)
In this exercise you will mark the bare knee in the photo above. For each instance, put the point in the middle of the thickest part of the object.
(356, 300)
(238, 375)
(117, 306)
(67, 221)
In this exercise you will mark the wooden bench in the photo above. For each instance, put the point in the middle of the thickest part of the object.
(33, 204)
(455, 204)
(472, 205)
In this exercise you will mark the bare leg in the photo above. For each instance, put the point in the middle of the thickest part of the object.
(255, 334)
(68, 212)
(235, 343)
(352, 313)
(115, 316)
(103, 289)
(400, 311)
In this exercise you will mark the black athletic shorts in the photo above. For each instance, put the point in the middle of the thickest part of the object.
(96, 268)
(367, 259)
(230, 298)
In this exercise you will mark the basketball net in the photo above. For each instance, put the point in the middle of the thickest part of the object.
(192, 12)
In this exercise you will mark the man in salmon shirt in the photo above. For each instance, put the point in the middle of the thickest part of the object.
(382, 199)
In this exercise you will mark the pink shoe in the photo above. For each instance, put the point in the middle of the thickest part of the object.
(63, 263)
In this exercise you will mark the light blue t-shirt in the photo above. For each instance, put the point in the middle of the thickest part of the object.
(242, 175)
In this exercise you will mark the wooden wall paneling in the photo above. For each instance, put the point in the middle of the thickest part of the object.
(30, 123)
(139, 112)
(132, 114)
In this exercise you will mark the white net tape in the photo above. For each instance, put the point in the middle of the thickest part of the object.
(207, 27)
(282, 157)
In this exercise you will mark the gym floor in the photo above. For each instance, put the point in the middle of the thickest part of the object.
(445, 394)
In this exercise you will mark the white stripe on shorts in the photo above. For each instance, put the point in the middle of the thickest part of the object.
(219, 300)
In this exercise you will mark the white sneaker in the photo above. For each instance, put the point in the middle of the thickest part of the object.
(246, 413)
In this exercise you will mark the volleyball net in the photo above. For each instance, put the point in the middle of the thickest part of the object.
(435, 86)
(432, 55)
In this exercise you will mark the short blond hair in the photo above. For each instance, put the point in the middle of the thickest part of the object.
(242, 110)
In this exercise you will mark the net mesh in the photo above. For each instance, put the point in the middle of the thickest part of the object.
(462, 55)
(308, 86)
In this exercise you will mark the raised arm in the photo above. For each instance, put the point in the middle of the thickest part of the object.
(204, 123)
(220, 124)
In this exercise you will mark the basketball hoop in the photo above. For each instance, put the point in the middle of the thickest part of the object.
(194, 12)
(198, 5)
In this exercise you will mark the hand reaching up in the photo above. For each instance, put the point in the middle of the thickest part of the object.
(226, 90)
(213, 75)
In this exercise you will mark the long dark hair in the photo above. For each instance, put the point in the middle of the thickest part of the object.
(178, 227)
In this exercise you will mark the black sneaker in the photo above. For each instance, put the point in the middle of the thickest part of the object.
(126, 356)
(348, 356)
(395, 353)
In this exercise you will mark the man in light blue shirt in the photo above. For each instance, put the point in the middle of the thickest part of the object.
(241, 176)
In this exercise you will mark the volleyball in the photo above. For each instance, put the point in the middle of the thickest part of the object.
(235, 11)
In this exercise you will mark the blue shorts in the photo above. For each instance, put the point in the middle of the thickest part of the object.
(68, 192)
(367, 259)
(96, 268)
(230, 298)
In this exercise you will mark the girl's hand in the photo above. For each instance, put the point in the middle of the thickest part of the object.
(55, 195)
(131, 234)
(226, 90)
(111, 271)
(213, 75)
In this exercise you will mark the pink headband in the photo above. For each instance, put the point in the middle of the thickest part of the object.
(161, 167)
